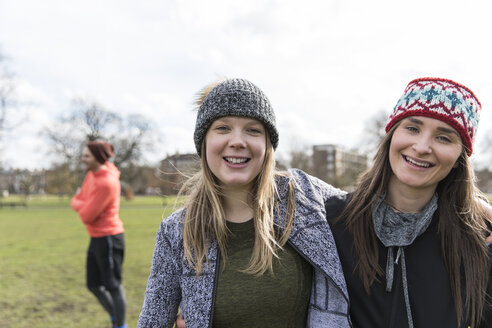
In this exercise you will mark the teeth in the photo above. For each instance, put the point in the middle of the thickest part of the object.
(234, 160)
(417, 163)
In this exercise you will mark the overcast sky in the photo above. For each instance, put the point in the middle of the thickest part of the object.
(327, 66)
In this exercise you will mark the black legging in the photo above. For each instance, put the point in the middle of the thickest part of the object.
(113, 300)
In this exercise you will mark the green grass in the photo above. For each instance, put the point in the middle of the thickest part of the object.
(42, 262)
(53, 200)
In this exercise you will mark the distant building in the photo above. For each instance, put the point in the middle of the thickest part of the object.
(174, 169)
(337, 165)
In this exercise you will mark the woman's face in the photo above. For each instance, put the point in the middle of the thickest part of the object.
(422, 152)
(89, 161)
(235, 150)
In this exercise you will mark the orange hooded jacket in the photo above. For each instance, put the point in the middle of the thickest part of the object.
(98, 202)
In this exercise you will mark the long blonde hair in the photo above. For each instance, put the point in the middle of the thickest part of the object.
(461, 229)
(204, 217)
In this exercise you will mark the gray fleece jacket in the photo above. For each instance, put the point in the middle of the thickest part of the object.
(172, 282)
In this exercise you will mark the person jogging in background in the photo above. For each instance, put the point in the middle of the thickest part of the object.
(98, 204)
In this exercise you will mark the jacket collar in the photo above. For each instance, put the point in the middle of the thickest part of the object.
(311, 235)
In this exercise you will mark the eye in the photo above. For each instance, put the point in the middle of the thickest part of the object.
(255, 130)
(221, 128)
(445, 139)
(412, 128)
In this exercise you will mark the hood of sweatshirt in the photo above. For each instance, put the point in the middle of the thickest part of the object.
(108, 169)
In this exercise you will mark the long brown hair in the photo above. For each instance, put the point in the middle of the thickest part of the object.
(204, 217)
(461, 229)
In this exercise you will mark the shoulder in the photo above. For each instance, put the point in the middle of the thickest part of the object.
(172, 226)
(169, 237)
(108, 171)
(311, 193)
(312, 186)
(334, 206)
(105, 180)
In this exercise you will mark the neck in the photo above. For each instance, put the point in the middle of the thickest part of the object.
(237, 205)
(96, 167)
(407, 200)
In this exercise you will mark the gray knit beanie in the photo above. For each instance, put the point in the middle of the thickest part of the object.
(234, 97)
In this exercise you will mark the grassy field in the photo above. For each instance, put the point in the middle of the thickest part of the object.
(42, 262)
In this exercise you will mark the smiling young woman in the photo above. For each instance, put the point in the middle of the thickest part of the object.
(252, 245)
(411, 237)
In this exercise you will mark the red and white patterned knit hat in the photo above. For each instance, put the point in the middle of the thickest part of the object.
(444, 100)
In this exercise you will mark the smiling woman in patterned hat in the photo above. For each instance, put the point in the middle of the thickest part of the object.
(411, 237)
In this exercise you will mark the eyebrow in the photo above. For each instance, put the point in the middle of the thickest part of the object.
(440, 128)
(254, 123)
(446, 130)
(220, 120)
(416, 121)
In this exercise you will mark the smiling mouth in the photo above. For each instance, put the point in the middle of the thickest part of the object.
(417, 163)
(236, 160)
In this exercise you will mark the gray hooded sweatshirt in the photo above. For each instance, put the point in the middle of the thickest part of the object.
(173, 283)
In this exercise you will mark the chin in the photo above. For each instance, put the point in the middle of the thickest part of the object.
(237, 183)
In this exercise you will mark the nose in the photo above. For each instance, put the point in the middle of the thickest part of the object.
(237, 139)
(422, 145)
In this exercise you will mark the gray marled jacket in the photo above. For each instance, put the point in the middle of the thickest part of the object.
(172, 283)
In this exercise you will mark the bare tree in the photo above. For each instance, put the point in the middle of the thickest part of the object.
(137, 138)
(26, 185)
(299, 155)
(87, 121)
(301, 159)
(94, 120)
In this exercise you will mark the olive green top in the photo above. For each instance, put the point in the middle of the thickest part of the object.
(245, 300)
